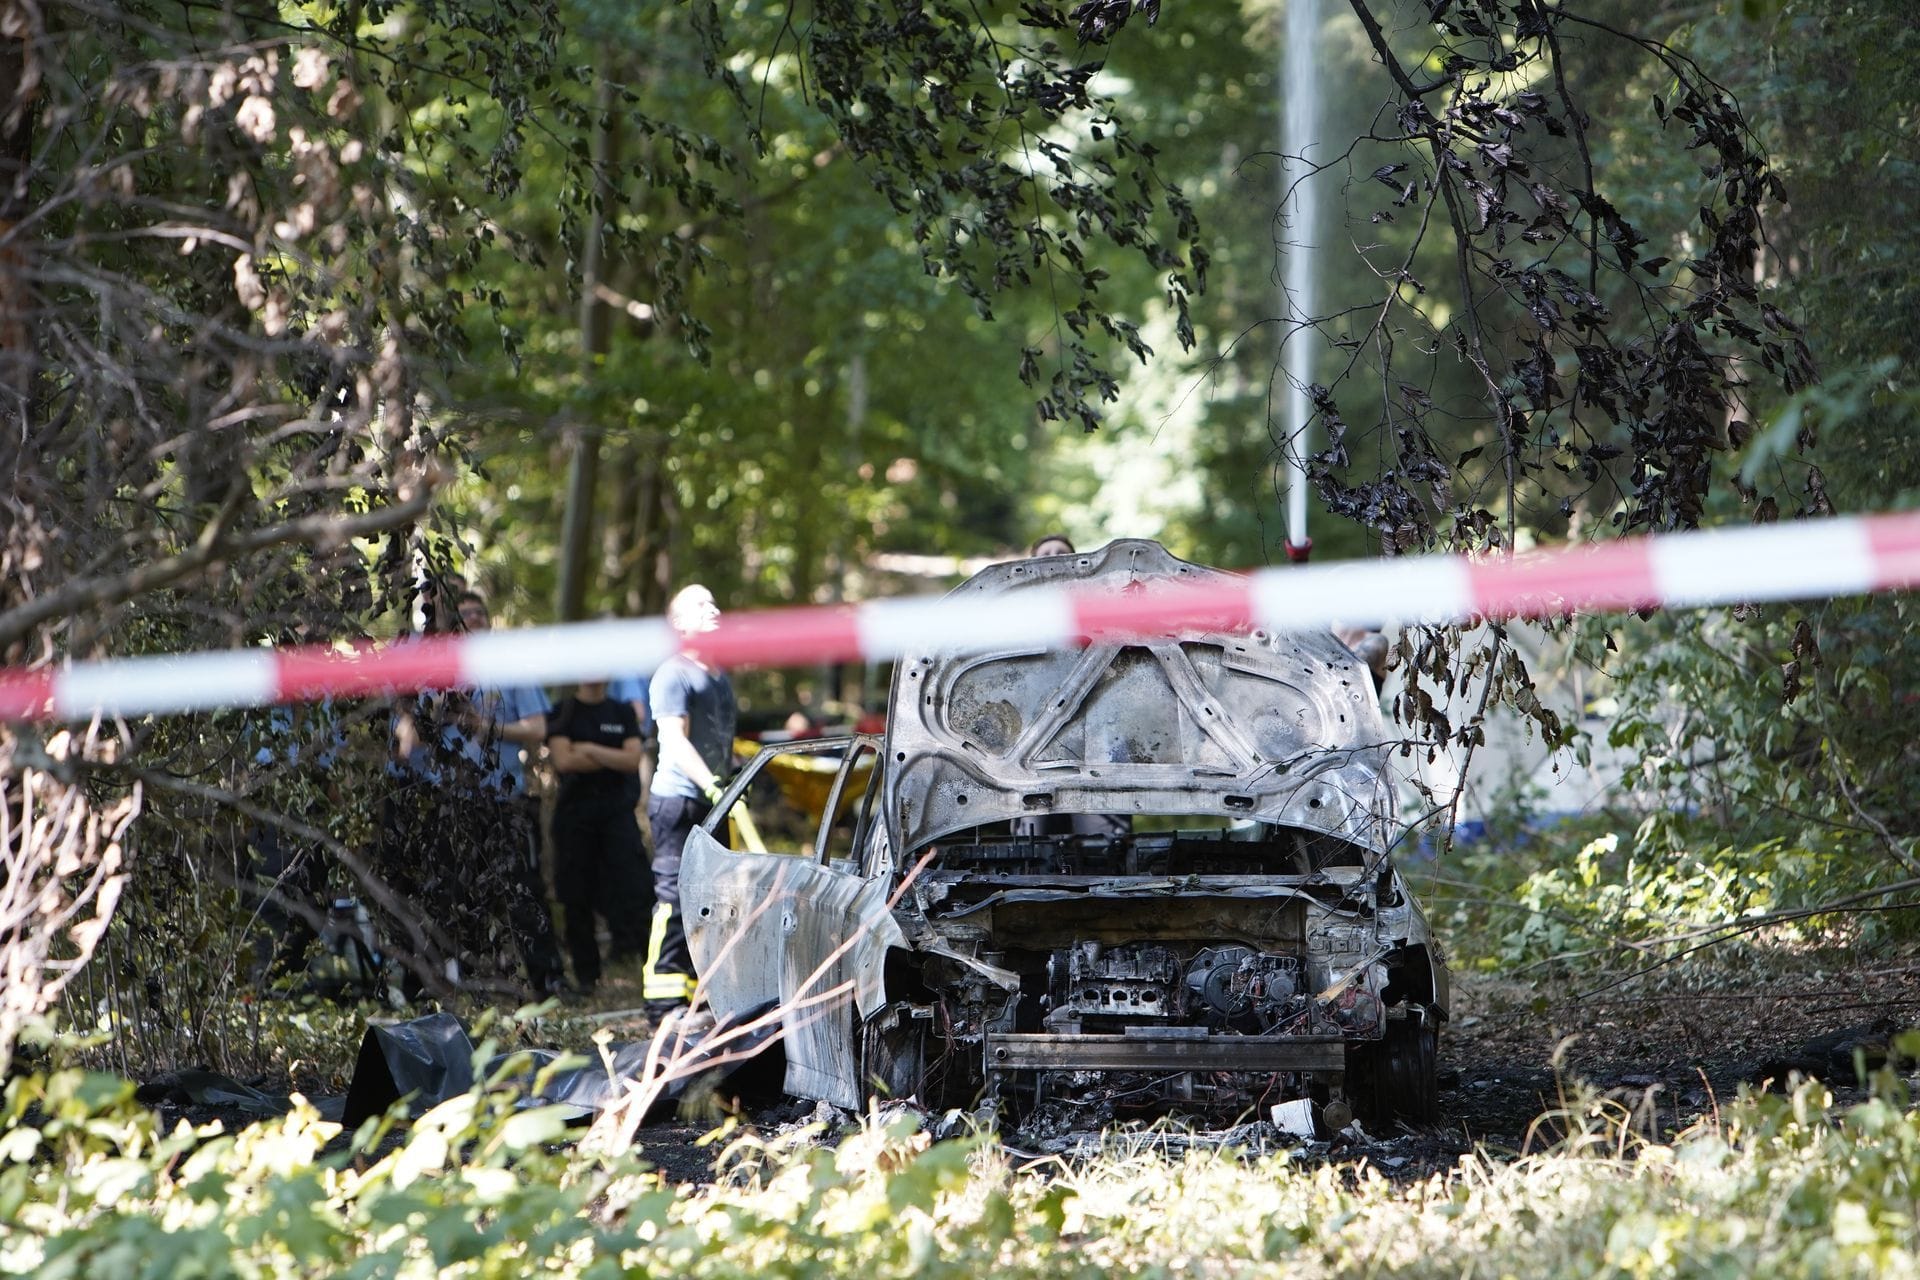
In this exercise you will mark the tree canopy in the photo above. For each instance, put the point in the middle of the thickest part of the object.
(305, 306)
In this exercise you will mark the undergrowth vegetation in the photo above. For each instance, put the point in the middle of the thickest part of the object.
(1775, 1185)
(1668, 889)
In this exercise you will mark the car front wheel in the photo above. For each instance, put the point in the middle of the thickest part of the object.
(1399, 1074)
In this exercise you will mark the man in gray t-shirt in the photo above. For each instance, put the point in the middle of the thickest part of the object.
(694, 707)
(700, 699)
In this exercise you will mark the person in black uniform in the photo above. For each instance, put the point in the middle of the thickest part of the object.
(600, 864)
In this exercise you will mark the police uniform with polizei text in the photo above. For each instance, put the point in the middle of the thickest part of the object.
(600, 862)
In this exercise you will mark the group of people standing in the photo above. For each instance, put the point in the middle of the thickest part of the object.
(461, 831)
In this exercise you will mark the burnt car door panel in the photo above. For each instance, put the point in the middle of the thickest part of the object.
(792, 929)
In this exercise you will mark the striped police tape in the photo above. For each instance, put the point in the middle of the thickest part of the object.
(1800, 560)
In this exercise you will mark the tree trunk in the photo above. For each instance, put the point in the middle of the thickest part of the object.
(16, 158)
(846, 681)
(619, 544)
(653, 557)
(583, 473)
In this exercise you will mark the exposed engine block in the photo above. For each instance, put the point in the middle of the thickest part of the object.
(1226, 987)
(1243, 988)
(1137, 981)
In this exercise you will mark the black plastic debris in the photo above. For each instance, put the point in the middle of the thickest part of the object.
(196, 1086)
(749, 1062)
(429, 1060)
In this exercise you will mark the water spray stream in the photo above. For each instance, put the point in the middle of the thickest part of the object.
(1299, 130)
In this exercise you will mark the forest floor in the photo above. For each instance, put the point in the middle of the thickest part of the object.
(1661, 1051)
(1516, 1052)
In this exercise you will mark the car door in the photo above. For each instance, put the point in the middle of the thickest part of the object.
(795, 928)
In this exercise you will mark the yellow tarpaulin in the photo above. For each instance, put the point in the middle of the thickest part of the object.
(805, 781)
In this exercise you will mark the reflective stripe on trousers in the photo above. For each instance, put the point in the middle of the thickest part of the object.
(655, 985)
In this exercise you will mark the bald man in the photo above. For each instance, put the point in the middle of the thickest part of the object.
(693, 705)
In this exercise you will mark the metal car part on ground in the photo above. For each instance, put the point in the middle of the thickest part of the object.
(1237, 935)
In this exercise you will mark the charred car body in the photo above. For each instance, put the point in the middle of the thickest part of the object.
(1158, 866)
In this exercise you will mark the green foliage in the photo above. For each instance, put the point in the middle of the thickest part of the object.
(1011, 184)
(1785, 728)
(1778, 1185)
(847, 404)
(1667, 894)
(90, 1187)
(1780, 724)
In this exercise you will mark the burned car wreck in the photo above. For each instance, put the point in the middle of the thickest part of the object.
(1159, 867)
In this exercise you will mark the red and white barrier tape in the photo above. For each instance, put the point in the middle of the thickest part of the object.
(1800, 560)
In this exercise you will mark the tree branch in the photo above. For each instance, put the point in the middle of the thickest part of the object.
(426, 936)
(211, 548)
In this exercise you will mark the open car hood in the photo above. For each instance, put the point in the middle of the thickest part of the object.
(1285, 729)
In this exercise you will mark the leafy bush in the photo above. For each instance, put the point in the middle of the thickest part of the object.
(1571, 892)
(1780, 1186)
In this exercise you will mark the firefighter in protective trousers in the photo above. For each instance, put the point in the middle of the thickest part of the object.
(693, 704)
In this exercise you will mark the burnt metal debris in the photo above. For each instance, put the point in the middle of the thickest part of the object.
(1157, 870)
